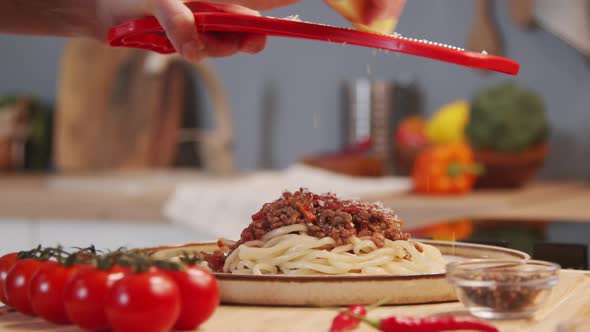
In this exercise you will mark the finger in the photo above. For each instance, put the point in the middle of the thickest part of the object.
(252, 43)
(233, 8)
(220, 44)
(376, 10)
(179, 23)
(226, 44)
(258, 4)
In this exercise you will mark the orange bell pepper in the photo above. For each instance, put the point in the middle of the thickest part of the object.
(445, 169)
(453, 231)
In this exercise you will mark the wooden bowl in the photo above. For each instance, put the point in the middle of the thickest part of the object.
(507, 169)
(353, 165)
(405, 156)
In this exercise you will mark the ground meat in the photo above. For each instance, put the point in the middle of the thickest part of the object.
(216, 260)
(325, 215)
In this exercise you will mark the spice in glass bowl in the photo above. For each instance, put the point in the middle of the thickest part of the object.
(502, 289)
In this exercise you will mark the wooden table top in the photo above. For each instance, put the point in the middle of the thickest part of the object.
(139, 197)
(569, 300)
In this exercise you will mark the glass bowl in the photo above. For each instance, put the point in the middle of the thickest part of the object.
(502, 288)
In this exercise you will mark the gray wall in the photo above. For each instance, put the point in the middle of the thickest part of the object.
(308, 74)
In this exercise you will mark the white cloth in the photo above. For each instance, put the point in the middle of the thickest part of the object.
(568, 20)
(222, 208)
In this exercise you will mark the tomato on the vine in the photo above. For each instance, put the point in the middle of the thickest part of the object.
(16, 285)
(46, 291)
(86, 293)
(147, 302)
(199, 294)
(6, 263)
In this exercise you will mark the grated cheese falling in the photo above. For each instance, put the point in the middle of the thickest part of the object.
(316, 120)
(294, 17)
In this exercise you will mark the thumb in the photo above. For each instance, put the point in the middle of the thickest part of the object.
(179, 23)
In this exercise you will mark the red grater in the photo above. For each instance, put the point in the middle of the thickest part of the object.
(147, 33)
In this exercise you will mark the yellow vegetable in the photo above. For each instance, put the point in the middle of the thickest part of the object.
(448, 124)
(352, 10)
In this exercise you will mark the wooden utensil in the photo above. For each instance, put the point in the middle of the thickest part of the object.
(217, 146)
(523, 13)
(484, 35)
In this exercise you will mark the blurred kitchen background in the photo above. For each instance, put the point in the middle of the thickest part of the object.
(84, 124)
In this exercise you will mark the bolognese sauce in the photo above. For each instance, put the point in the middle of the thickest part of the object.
(323, 215)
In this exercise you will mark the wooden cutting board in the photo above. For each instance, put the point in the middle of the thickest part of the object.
(568, 301)
(113, 113)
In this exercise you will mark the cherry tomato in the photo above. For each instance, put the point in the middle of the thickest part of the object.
(199, 296)
(46, 291)
(16, 286)
(147, 302)
(6, 262)
(86, 293)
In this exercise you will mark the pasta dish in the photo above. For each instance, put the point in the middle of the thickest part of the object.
(303, 233)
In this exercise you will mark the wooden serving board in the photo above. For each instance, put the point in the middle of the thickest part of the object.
(112, 112)
(569, 300)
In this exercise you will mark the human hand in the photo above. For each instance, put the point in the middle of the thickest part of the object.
(178, 22)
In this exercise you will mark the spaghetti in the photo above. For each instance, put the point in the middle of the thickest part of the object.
(307, 234)
(288, 250)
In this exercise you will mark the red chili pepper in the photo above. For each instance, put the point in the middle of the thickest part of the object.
(343, 322)
(432, 324)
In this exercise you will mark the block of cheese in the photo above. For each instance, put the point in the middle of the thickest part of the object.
(352, 11)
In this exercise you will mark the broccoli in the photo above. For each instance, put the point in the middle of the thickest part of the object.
(507, 118)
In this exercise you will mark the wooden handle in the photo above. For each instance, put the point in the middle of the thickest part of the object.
(523, 13)
(484, 35)
(483, 8)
